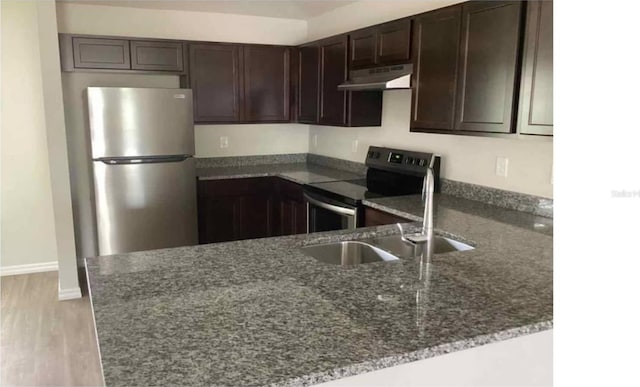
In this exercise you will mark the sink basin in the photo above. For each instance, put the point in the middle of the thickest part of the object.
(395, 245)
(348, 253)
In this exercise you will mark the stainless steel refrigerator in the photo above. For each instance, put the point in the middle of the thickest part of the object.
(142, 146)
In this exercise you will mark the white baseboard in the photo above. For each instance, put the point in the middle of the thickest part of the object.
(69, 294)
(28, 268)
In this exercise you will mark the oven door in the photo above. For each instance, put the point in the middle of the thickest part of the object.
(324, 214)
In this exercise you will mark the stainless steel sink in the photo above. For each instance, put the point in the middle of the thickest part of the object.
(395, 245)
(348, 253)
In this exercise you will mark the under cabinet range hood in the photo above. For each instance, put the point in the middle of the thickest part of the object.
(379, 78)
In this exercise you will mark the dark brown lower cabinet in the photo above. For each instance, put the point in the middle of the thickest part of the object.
(292, 210)
(236, 209)
(373, 217)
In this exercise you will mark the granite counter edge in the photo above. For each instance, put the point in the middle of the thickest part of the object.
(422, 354)
(392, 211)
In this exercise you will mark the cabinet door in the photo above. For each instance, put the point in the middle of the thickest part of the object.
(254, 215)
(489, 55)
(536, 98)
(215, 81)
(362, 48)
(163, 56)
(292, 208)
(236, 209)
(94, 53)
(333, 70)
(436, 53)
(308, 62)
(394, 42)
(266, 83)
(215, 213)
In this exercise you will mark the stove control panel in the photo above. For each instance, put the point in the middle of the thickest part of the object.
(402, 161)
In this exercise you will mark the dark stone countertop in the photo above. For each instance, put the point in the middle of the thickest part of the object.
(301, 173)
(261, 312)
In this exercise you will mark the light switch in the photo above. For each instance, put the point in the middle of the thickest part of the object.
(502, 166)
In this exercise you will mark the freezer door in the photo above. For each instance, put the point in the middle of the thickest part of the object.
(144, 206)
(130, 122)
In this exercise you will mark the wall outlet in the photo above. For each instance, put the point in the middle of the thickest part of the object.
(224, 142)
(502, 166)
(354, 146)
(315, 141)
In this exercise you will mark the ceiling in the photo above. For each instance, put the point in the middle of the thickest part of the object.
(288, 9)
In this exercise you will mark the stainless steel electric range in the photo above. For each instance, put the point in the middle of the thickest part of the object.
(337, 205)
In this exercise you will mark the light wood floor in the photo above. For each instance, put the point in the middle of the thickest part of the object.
(43, 341)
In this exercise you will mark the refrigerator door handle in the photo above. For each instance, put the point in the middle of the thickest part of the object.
(142, 160)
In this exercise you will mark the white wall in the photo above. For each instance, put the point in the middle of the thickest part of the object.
(252, 139)
(468, 159)
(28, 229)
(57, 146)
(366, 13)
(169, 24)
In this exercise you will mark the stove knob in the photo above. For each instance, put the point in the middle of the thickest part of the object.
(409, 160)
(421, 163)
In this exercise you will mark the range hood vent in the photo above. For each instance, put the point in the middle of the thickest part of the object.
(379, 78)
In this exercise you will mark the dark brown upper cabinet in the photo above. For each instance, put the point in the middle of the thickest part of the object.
(266, 83)
(215, 78)
(340, 108)
(333, 72)
(110, 54)
(308, 82)
(436, 39)
(489, 53)
(466, 59)
(93, 53)
(363, 52)
(394, 42)
(385, 44)
(535, 114)
(157, 55)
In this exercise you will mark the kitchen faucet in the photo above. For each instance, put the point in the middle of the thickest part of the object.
(426, 234)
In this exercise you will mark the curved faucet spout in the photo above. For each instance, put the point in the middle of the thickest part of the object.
(426, 235)
(428, 188)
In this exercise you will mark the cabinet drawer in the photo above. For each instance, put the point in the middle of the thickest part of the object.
(163, 56)
(90, 53)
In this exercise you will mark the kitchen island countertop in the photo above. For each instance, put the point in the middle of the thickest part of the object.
(261, 312)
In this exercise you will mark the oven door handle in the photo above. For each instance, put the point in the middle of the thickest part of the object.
(331, 207)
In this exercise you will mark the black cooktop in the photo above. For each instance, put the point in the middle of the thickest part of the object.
(391, 172)
(348, 191)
